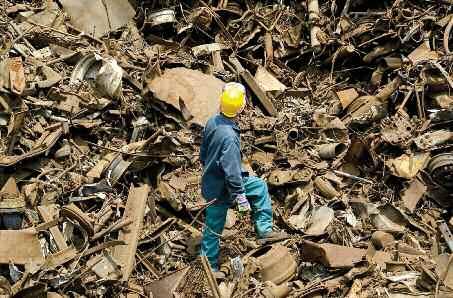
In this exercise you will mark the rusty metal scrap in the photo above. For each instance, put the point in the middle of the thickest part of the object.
(276, 263)
(135, 211)
(16, 75)
(348, 120)
(212, 282)
(20, 247)
(166, 286)
(254, 86)
(190, 91)
(446, 233)
(48, 214)
(332, 255)
(98, 17)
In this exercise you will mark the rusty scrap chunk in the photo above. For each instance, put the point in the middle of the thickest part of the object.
(347, 96)
(48, 214)
(348, 129)
(193, 93)
(135, 211)
(166, 286)
(98, 17)
(16, 75)
(332, 255)
(73, 212)
(60, 257)
(20, 247)
(256, 89)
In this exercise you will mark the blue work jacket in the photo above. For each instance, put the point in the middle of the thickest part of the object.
(220, 155)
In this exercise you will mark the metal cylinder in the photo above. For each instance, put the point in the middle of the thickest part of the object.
(163, 16)
(331, 150)
(441, 169)
(293, 135)
(325, 188)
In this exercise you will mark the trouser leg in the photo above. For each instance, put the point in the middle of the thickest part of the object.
(260, 202)
(214, 224)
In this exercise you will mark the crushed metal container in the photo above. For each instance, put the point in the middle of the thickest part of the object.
(277, 263)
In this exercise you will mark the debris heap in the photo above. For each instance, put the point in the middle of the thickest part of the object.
(349, 121)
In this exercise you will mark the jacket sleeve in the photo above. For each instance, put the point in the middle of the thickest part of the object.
(230, 162)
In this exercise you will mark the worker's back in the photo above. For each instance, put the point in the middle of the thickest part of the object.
(218, 134)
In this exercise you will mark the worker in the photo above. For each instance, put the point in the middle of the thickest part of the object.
(225, 181)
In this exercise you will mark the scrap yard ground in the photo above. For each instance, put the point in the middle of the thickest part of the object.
(349, 121)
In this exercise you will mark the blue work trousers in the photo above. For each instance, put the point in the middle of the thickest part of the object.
(258, 196)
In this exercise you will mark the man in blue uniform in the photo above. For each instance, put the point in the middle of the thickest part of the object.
(225, 181)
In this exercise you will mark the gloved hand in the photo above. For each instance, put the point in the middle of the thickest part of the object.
(243, 204)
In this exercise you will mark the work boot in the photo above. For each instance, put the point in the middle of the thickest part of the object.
(272, 237)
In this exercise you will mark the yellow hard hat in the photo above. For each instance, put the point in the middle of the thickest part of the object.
(232, 99)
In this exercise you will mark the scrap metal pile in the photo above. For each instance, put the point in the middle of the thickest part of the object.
(349, 121)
